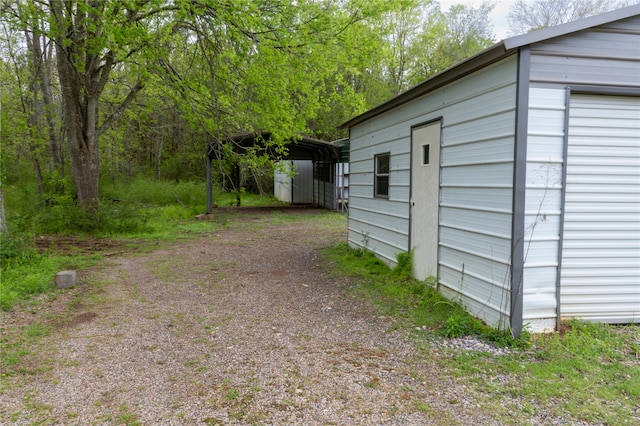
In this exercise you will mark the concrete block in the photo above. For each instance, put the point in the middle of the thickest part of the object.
(66, 279)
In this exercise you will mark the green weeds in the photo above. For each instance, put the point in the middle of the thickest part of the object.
(142, 212)
(413, 303)
(14, 348)
(588, 373)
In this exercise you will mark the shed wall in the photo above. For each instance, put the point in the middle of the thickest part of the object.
(608, 55)
(543, 207)
(302, 182)
(477, 154)
(600, 278)
(604, 55)
(282, 181)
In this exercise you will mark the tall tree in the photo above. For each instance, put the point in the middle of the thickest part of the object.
(91, 39)
(450, 37)
(525, 16)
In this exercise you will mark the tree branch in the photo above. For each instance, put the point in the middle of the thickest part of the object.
(123, 106)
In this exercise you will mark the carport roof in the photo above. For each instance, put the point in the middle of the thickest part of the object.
(300, 148)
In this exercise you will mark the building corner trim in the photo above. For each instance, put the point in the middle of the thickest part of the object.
(519, 191)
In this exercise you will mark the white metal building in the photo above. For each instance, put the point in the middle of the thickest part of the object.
(296, 189)
(314, 160)
(514, 176)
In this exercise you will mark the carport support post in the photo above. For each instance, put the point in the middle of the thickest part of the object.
(238, 179)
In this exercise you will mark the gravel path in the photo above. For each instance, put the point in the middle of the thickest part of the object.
(244, 326)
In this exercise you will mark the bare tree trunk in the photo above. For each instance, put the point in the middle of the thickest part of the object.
(46, 86)
(34, 109)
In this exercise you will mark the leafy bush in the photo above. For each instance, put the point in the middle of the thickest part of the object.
(9, 247)
(66, 217)
(404, 266)
(458, 325)
(153, 192)
(26, 274)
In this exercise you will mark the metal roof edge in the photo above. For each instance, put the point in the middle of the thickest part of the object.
(492, 54)
(297, 142)
(459, 70)
(571, 27)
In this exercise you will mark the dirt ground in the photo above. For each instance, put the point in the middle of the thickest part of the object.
(245, 325)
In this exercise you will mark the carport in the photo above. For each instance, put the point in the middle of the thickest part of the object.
(322, 154)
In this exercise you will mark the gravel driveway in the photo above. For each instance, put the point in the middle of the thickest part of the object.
(242, 326)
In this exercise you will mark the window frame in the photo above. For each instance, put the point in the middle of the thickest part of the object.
(381, 176)
(426, 155)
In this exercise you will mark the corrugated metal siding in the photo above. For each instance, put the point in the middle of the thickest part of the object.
(605, 55)
(342, 182)
(590, 57)
(543, 200)
(302, 184)
(475, 198)
(478, 124)
(600, 278)
(282, 182)
(327, 194)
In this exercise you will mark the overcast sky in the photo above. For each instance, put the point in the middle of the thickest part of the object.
(498, 15)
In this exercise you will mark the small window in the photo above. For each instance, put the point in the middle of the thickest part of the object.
(425, 154)
(381, 186)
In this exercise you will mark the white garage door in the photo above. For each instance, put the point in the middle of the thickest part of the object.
(600, 277)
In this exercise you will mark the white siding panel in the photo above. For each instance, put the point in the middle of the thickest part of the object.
(593, 44)
(539, 298)
(541, 253)
(543, 199)
(480, 151)
(600, 278)
(282, 182)
(487, 175)
(470, 241)
(473, 287)
(490, 314)
(570, 70)
(492, 269)
(489, 221)
(482, 129)
(476, 198)
(543, 226)
(476, 201)
(394, 209)
(302, 184)
(590, 57)
(544, 149)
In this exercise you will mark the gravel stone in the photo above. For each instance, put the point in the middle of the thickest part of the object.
(242, 326)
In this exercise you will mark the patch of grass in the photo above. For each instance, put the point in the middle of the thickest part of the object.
(232, 394)
(14, 347)
(30, 273)
(588, 373)
(412, 302)
(126, 417)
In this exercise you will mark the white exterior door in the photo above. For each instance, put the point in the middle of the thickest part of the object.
(600, 277)
(425, 191)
